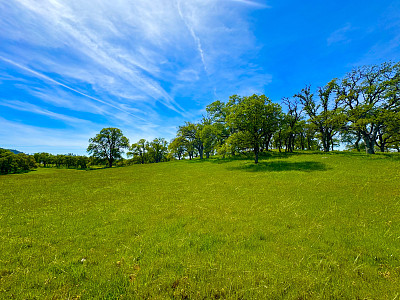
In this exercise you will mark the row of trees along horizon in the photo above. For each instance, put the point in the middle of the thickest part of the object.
(360, 110)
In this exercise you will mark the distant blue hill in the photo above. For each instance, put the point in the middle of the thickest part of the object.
(14, 151)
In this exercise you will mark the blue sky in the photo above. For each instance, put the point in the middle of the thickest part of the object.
(70, 68)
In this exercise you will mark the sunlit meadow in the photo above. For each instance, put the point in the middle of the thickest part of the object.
(302, 226)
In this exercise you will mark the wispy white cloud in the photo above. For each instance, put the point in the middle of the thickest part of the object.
(340, 35)
(7, 77)
(193, 34)
(140, 64)
(380, 52)
(28, 107)
(84, 33)
(62, 99)
(29, 137)
(252, 3)
(47, 78)
(188, 75)
(124, 45)
(388, 47)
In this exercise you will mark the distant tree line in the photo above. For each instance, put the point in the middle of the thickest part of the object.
(11, 163)
(60, 160)
(15, 163)
(110, 143)
(360, 110)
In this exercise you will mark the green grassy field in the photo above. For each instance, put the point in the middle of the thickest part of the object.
(304, 226)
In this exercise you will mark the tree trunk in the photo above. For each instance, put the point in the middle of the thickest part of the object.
(381, 144)
(326, 146)
(329, 138)
(302, 142)
(369, 149)
(356, 144)
(369, 139)
(325, 141)
(279, 143)
(256, 155)
(369, 144)
(290, 145)
(268, 142)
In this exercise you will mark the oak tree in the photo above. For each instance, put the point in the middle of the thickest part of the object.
(108, 145)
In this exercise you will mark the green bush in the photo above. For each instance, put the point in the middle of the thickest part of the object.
(15, 163)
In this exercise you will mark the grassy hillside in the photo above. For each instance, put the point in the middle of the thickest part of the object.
(301, 226)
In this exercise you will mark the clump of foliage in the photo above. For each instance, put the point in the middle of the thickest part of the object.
(60, 160)
(144, 151)
(11, 163)
(108, 145)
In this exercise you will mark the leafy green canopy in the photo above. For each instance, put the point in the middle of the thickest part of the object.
(14, 163)
(370, 96)
(256, 117)
(108, 144)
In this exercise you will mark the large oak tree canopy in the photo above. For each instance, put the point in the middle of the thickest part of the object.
(370, 96)
(108, 144)
(255, 116)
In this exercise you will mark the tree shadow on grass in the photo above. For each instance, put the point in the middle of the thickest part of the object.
(94, 169)
(392, 156)
(281, 166)
(76, 169)
(19, 172)
(275, 155)
(246, 156)
(104, 168)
